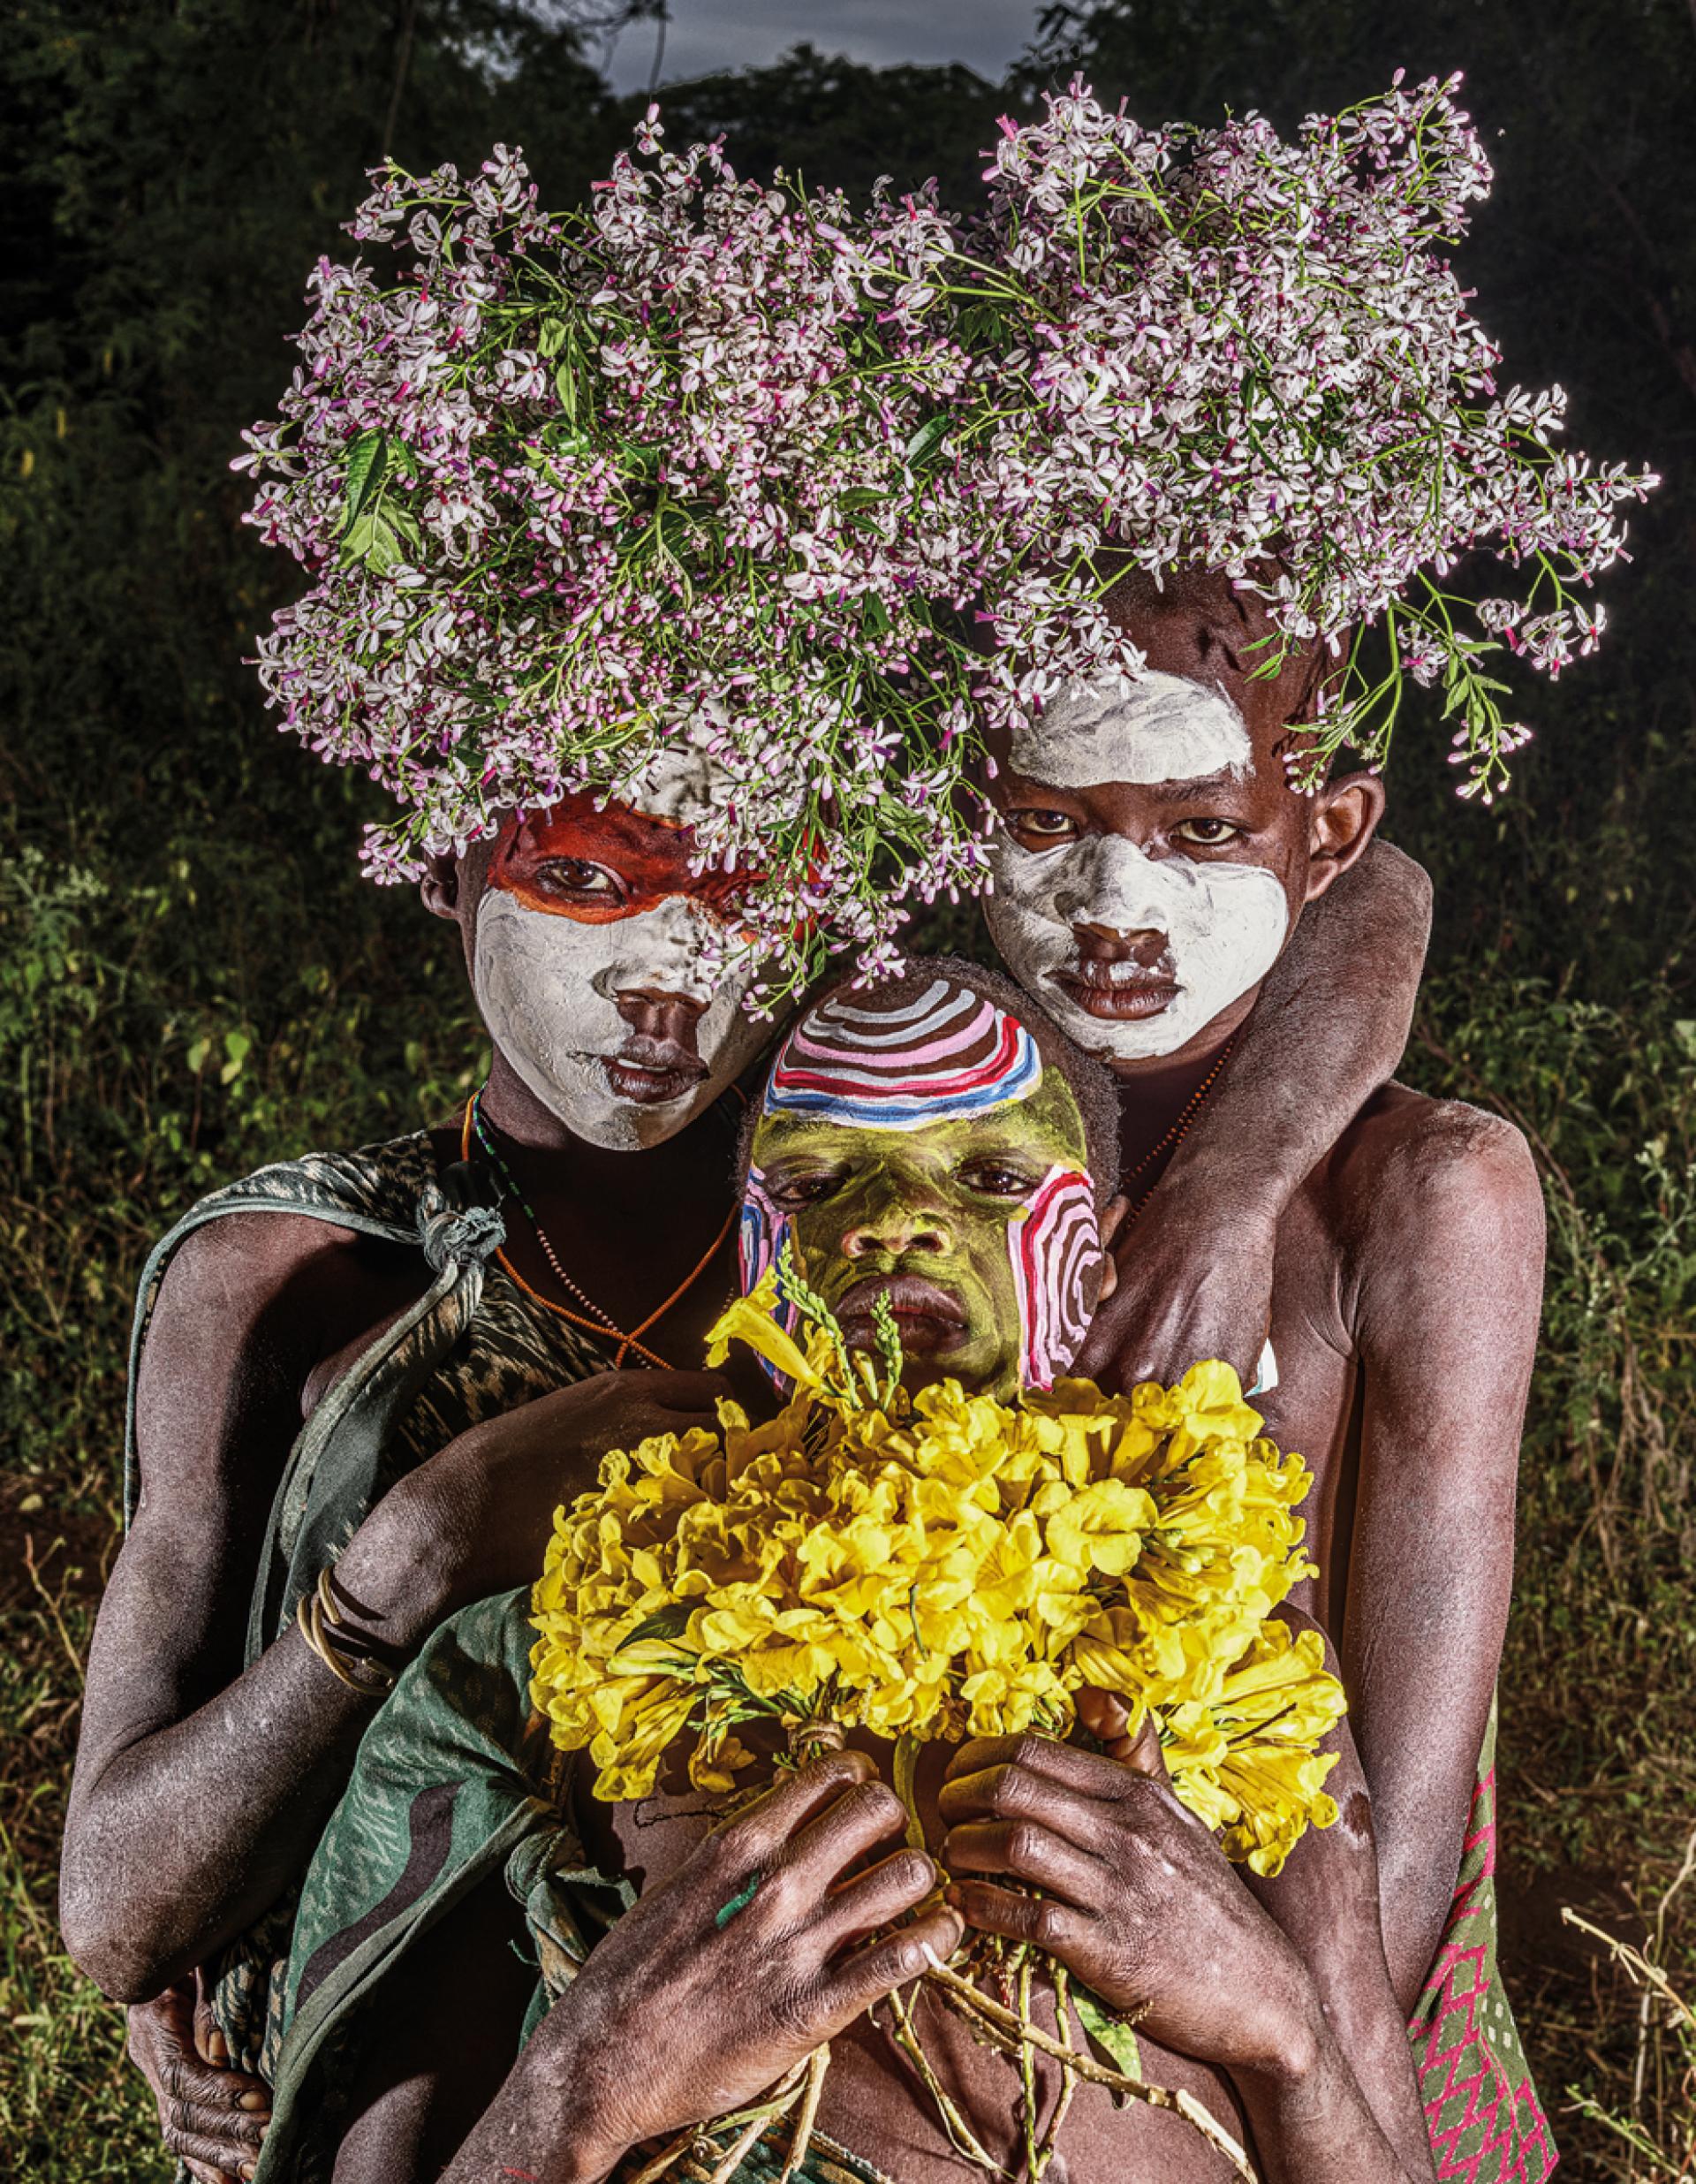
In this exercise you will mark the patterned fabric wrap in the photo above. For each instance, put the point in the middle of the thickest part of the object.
(1055, 1249)
(947, 1054)
(457, 1779)
(1480, 2106)
(475, 1346)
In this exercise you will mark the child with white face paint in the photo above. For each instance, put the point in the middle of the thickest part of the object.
(1138, 953)
(592, 958)
(459, 1294)
(1152, 868)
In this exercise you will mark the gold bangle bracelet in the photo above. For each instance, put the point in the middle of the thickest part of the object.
(319, 1621)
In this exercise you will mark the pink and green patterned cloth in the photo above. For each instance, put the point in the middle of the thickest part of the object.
(1481, 2109)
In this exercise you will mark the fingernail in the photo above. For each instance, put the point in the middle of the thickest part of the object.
(253, 2103)
(217, 2048)
(247, 2171)
(265, 2128)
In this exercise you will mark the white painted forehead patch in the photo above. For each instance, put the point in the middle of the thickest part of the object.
(1164, 728)
(677, 785)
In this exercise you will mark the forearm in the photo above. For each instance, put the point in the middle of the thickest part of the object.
(545, 2123)
(1330, 1027)
(1312, 2124)
(184, 1836)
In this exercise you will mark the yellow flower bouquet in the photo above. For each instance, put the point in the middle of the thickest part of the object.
(942, 1566)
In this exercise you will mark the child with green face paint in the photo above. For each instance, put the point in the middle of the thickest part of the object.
(935, 1142)
(932, 1142)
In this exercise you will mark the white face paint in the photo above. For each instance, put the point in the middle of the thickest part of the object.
(547, 975)
(1165, 728)
(1224, 923)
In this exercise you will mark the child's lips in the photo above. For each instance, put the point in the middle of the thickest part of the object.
(927, 1318)
(653, 1074)
(1118, 992)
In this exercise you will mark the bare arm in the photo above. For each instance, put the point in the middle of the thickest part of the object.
(1451, 1289)
(200, 1787)
(1326, 1901)
(1195, 1272)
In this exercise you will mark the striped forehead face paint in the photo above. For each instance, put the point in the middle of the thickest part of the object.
(922, 1151)
(947, 1054)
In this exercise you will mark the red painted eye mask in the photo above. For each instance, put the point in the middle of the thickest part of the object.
(575, 861)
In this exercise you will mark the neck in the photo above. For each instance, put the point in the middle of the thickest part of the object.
(1153, 1098)
(552, 1160)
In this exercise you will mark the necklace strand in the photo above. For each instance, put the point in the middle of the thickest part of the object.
(1187, 1114)
(603, 1324)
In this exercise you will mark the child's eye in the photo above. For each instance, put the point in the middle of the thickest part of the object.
(809, 1189)
(581, 881)
(997, 1179)
(1042, 826)
(1207, 833)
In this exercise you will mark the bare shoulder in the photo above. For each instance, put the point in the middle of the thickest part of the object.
(235, 1270)
(250, 1305)
(1435, 1189)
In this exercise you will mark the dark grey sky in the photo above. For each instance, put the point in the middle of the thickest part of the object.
(706, 34)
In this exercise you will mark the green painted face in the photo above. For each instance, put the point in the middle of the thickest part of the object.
(980, 1228)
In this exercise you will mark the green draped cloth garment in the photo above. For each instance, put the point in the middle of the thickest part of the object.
(472, 1346)
(457, 1780)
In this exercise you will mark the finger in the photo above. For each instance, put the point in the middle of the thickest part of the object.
(209, 2043)
(1043, 1920)
(866, 1976)
(757, 1834)
(856, 1822)
(237, 2137)
(875, 1899)
(1088, 1773)
(203, 2172)
(1014, 1793)
(1029, 1853)
(1107, 1717)
(184, 2081)
(223, 2158)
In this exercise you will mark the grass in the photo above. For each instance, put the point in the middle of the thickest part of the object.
(1598, 1747)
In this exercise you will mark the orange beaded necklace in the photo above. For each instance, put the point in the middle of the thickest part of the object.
(1190, 1109)
(602, 1323)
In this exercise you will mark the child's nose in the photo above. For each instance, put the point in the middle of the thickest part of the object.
(893, 1230)
(1143, 944)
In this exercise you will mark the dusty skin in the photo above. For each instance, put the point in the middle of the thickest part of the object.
(258, 1315)
(1272, 2004)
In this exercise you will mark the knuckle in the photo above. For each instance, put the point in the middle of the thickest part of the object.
(877, 1801)
(1028, 1750)
(1011, 1790)
(1023, 1846)
(912, 1871)
(1048, 1926)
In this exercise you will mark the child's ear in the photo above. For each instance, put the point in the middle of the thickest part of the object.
(439, 888)
(1113, 1216)
(1345, 816)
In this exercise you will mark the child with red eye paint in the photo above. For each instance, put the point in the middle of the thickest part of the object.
(338, 1364)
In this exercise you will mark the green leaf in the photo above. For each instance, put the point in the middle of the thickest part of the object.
(367, 465)
(666, 1622)
(929, 436)
(1110, 2034)
(552, 335)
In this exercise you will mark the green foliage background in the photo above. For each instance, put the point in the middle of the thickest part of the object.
(192, 979)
